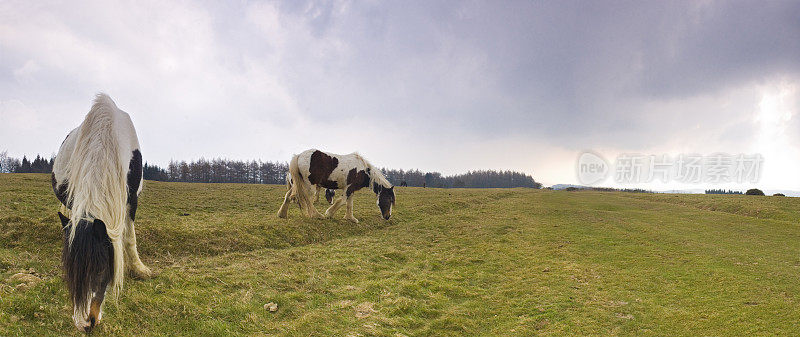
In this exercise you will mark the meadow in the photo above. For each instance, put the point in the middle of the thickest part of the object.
(450, 262)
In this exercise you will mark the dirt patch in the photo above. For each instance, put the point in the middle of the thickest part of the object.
(364, 310)
(344, 304)
(24, 281)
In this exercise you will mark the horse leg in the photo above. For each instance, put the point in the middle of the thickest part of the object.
(307, 203)
(284, 210)
(335, 207)
(135, 265)
(349, 214)
(66, 211)
(316, 194)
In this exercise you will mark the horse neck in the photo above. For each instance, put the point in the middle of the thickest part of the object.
(376, 177)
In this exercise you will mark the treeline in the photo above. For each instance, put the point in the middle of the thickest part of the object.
(219, 171)
(472, 179)
(24, 165)
(720, 191)
(258, 172)
(627, 190)
(607, 189)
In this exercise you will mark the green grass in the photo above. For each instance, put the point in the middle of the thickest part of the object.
(458, 262)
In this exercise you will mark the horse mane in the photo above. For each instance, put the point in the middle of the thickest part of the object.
(375, 174)
(98, 181)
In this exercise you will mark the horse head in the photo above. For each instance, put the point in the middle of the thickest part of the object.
(329, 194)
(385, 199)
(88, 263)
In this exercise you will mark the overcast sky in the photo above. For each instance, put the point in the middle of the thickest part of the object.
(435, 85)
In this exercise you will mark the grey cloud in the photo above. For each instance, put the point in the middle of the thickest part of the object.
(574, 74)
(539, 68)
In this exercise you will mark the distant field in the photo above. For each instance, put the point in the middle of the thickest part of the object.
(459, 262)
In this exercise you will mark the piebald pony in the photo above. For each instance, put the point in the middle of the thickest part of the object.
(97, 176)
(348, 173)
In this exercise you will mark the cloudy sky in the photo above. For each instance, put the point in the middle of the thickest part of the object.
(434, 85)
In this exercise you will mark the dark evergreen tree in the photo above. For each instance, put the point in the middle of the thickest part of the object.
(25, 167)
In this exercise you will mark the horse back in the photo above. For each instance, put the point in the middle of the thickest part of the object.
(127, 143)
(334, 171)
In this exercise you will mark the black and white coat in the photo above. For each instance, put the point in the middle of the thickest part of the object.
(347, 173)
(97, 177)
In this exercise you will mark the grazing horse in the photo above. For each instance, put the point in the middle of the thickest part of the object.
(329, 193)
(348, 172)
(97, 176)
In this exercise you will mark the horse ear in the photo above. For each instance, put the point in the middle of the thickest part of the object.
(99, 229)
(64, 220)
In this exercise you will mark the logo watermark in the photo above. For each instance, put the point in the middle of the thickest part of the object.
(716, 168)
(592, 168)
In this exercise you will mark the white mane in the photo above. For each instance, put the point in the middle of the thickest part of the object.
(376, 175)
(98, 179)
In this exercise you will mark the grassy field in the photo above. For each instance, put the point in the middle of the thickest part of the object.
(458, 262)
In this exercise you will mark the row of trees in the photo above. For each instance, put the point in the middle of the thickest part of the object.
(721, 191)
(471, 179)
(603, 189)
(611, 189)
(752, 191)
(219, 171)
(258, 172)
(24, 165)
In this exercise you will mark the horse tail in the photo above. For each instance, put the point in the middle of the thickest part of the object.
(300, 189)
(98, 181)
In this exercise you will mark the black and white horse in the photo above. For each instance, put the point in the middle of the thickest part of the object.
(348, 173)
(97, 176)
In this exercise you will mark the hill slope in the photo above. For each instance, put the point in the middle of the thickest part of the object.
(450, 262)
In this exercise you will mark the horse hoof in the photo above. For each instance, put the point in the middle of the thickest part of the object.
(142, 273)
(354, 220)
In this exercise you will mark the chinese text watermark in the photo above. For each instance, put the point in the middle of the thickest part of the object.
(685, 168)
